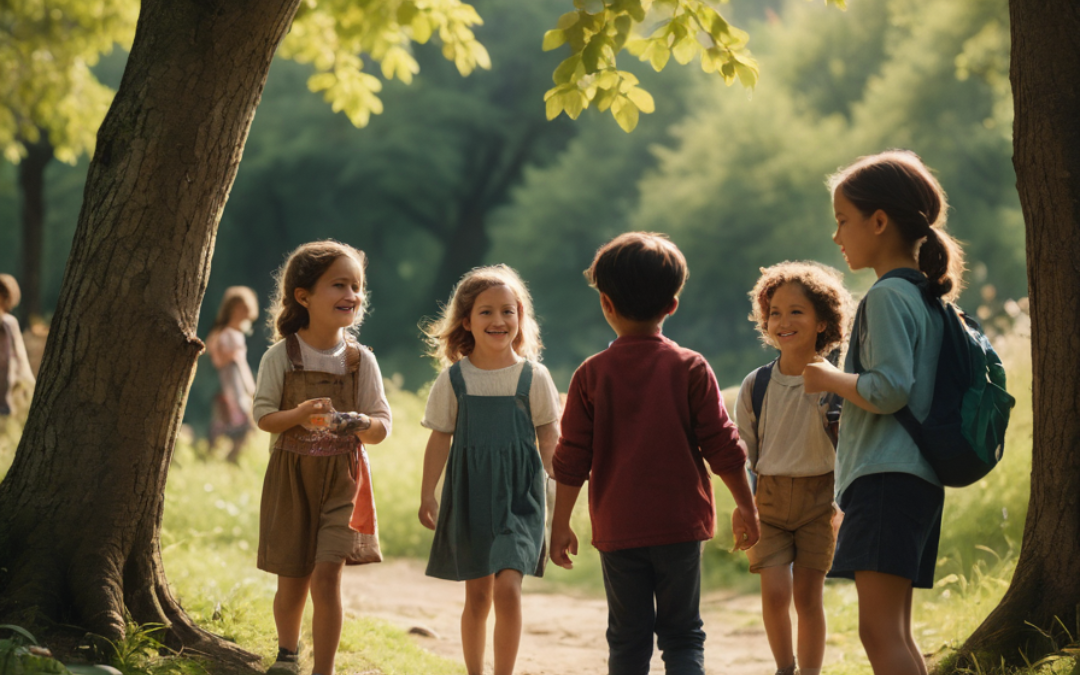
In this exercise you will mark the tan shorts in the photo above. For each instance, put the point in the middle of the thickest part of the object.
(796, 522)
(306, 506)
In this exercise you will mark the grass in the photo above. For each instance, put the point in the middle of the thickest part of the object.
(211, 529)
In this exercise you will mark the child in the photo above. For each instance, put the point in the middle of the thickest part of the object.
(14, 365)
(486, 411)
(802, 309)
(317, 508)
(228, 351)
(642, 418)
(890, 215)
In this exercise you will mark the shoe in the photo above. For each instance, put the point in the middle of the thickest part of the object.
(287, 662)
(790, 670)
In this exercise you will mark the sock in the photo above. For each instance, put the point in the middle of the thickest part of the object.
(809, 671)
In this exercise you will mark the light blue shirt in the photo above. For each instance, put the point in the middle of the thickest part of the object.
(899, 342)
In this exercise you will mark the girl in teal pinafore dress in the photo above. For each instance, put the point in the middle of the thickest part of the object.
(487, 411)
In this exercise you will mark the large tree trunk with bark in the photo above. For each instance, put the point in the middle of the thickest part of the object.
(32, 186)
(1045, 589)
(81, 507)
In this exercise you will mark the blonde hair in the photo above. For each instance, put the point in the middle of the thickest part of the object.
(235, 295)
(824, 288)
(303, 269)
(447, 339)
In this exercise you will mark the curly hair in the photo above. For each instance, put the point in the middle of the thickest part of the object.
(823, 286)
(302, 269)
(447, 339)
(10, 294)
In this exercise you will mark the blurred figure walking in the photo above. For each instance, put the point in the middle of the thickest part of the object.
(16, 378)
(227, 347)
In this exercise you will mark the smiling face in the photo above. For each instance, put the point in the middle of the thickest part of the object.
(493, 320)
(793, 324)
(337, 297)
(855, 233)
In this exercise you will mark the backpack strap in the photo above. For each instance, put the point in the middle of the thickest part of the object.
(757, 395)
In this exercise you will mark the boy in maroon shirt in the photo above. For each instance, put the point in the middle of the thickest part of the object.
(641, 420)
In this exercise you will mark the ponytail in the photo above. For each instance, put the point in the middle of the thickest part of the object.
(942, 261)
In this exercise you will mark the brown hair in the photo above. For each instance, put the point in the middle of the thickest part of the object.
(898, 183)
(641, 272)
(823, 286)
(10, 294)
(235, 295)
(446, 335)
(303, 269)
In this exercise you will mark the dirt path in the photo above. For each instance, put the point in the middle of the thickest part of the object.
(562, 633)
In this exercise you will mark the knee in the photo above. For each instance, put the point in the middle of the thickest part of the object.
(775, 600)
(326, 583)
(507, 589)
(478, 599)
(808, 603)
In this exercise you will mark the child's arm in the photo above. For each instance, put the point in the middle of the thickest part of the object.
(548, 437)
(821, 376)
(563, 540)
(744, 520)
(438, 449)
(283, 420)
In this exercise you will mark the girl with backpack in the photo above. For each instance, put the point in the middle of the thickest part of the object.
(803, 310)
(890, 215)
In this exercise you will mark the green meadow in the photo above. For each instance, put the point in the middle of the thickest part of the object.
(211, 530)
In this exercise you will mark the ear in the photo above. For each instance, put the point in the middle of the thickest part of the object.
(880, 221)
(466, 324)
(301, 296)
(606, 304)
(674, 306)
(821, 326)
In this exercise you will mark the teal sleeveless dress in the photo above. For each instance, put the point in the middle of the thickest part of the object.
(491, 517)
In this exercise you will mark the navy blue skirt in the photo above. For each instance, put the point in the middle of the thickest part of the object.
(892, 524)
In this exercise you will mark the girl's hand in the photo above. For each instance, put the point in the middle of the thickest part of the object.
(311, 407)
(563, 544)
(429, 512)
(745, 527)
(818, 375)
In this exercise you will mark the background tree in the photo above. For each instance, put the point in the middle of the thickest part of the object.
(51, 104)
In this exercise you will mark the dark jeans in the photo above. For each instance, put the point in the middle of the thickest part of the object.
(654, 588)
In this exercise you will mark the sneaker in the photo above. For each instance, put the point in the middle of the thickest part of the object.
(287, 662)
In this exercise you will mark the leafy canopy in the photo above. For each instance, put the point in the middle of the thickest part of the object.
(652, 30)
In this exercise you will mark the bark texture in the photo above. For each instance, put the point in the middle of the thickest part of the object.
(81, 507)
(1045, 589)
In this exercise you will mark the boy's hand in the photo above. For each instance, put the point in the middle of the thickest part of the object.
(429, 512)
(745, 527)
(837, 519)
(817, 374)
(563, 543)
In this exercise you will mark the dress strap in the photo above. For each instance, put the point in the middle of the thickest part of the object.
(457, 380)
(292, 348)
(525, 379)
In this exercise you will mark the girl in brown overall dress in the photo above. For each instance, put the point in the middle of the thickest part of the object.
(318, 509)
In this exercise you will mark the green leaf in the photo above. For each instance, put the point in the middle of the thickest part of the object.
(553, 105)
(593, 6)
(685, 49)
(421, 28)
(406, 12)
(623, 24)
(605, 98)
(625, 113)
(642, 99)
(593, 55)
(660, 55)
(567, 20)
(553, 39)
(20, 631)
(567, 70)
(747, 76)
(573, 103)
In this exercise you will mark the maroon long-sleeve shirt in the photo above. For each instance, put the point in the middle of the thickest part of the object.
(642, 417)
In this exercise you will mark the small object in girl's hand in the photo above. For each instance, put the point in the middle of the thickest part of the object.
(348, 423)
(321, 420)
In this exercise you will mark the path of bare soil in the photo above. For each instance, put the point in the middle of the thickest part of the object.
(562, 633)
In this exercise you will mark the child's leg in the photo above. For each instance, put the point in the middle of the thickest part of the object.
(776, 591)
(507, 620)
(289, 609)
(884, 623)
(478, 598)
(916, 653)
(677, 569)
(809, 589)
(327, 616)
(629, 583)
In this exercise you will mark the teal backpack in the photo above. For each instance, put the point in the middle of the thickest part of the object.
(963, 436)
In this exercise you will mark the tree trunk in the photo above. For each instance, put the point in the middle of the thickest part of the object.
(1045, 588)
(32, 186)
(122, 351)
